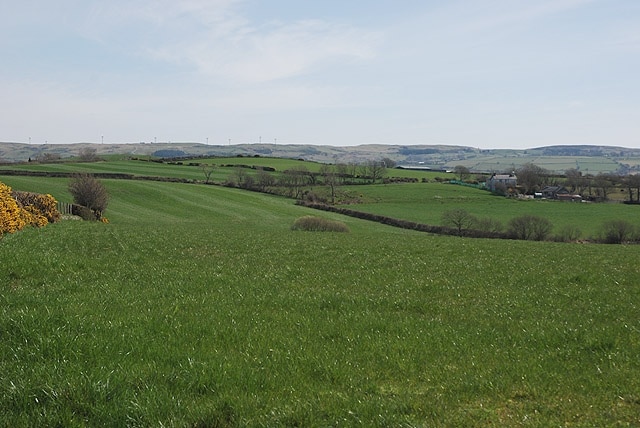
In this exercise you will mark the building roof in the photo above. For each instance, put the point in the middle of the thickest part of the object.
(503, 177)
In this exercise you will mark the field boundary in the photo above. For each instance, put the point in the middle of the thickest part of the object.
(105, 175)
(405, 224)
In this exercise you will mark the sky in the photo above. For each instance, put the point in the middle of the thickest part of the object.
(481, 73)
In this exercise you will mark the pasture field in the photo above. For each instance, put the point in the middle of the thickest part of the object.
(224, 167)
(555, 164)
(425, 203)
(198, 306)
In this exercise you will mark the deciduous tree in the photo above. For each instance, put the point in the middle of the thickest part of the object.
(531, 177)
(207, 170)
(459, 219)
(462, 172)
(374, 170)
(330, 178)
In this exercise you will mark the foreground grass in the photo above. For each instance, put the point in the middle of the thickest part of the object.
(198, 306)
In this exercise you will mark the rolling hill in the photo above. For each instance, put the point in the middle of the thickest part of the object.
(590, 159)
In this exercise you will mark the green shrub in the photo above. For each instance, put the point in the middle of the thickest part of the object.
(318, 224)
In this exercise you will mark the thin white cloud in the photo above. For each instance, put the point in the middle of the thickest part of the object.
(276, 52)
(215, 39)
(509, 13)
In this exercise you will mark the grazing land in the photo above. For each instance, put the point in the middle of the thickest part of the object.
(426, 203)
(199, 306)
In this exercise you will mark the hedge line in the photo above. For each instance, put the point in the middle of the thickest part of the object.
(110, 175)
(405, 224)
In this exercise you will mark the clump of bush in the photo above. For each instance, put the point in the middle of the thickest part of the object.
(11, 218)
(568, 233)
(19, 209)
(90, 193)
(618, 232)
(319, 224)
(530, 227)
(44, 208)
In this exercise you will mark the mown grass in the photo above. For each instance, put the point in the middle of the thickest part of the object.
(198, 306)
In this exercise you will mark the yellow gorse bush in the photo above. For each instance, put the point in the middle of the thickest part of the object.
(11, 216)
(40, 205)
(18, 209)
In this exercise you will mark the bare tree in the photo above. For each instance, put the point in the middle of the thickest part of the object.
(574, 180)
(617, 232)
(239, 176)
(531, 176)
(207, 170)
(265, 179)
(295, 179)
(88, 154)
(633, 183)
(530, 227)
(342, 172)
(330, 178)
(389, 163)
(352, 169)
(603, 183)
(462, 172)
(89, 192)
(489, 224)
(47, 157)
(459, 219)
(374, 170)
(568, 233)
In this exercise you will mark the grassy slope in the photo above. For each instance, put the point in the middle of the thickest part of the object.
(198, 305)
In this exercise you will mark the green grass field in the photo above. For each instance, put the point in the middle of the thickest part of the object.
(223, 167)
(198, 306)
(425, 203)
(555, 164)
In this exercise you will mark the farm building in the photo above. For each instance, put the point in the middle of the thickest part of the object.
(504, 181)
(560, 193)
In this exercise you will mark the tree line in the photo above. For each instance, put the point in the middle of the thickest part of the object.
(294, 182)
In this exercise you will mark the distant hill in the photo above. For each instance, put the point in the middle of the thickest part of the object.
(590, 159)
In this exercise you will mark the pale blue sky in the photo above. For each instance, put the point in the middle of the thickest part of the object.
(480, 73)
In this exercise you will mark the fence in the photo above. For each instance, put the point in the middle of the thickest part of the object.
(65, 208)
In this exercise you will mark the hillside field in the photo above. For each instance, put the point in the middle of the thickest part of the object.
(199, 306)
(426, 203)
